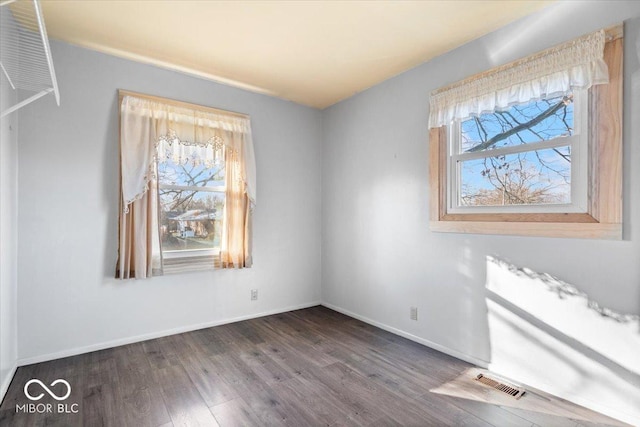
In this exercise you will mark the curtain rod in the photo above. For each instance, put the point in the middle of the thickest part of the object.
(122, 93)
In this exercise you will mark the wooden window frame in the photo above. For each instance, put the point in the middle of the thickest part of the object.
(603, 219)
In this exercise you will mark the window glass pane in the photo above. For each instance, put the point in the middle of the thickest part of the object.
(188, 174)
(190, 219)
(521, 124)
(529, 178)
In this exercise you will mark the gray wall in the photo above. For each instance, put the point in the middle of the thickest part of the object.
(379, 257)
(8, 237)
(68, 196)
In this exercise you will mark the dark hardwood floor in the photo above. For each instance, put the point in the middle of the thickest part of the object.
(311, 367)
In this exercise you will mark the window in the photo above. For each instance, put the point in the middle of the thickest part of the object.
(536, 157)
(187, 175)
(530, 157)
(192, 198)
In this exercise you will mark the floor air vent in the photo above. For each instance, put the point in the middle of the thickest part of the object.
(511, 390)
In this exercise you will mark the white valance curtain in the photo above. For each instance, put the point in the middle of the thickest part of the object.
(577, 64)
(150, 127)
(153, 131)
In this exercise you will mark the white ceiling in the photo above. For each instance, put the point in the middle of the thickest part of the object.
(314, 53)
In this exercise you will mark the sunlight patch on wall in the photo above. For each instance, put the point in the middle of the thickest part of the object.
(521, 35)
(547, 334)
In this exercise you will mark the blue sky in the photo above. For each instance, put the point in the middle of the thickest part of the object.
(548, 167)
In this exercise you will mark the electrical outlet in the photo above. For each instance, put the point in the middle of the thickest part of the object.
(413, 314)
(254, 294)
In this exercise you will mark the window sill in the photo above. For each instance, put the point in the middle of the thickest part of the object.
(177, 265)
(538, 229)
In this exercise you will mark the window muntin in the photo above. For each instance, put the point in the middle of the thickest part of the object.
(192, 198)
(531, 157)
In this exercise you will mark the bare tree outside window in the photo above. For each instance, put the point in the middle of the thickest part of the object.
(510, 172)
(192, 200)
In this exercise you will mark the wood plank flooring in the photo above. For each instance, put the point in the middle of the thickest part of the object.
(311, 367)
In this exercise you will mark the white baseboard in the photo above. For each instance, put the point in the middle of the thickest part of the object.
(164, 333)
(4, 386)
(458, 355)
(153, 335)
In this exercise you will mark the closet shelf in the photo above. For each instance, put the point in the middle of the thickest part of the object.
(25, 55)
